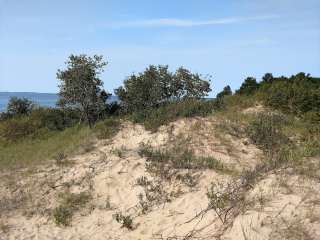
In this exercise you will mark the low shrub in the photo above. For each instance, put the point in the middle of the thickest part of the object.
(36, 123)
(266, 131)
(19, 107)
(55, 118)
(14, 129)
(177, 157)
(312, 117)
(107, 128)
(70, 203)
(154, 193)
(156, 117)
(125, 220)
(225, 199)
(62, 215)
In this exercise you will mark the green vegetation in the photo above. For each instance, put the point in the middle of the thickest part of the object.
(286, 129)
(81, 88)
(225, 92)
(287, 137)
(107, 128)
(298, 94)
(265, 130)
(125, 220)
(30, 134)
(177, 157)
(69, 204)
(32, 151)
(224, 199)
(279, 115)
(19, 107)
(38, 123)
(153, 118)
(248, 87)
(157, 85)
(154, 194)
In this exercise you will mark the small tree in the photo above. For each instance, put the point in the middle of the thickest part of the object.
(225, 92)
(145, 90)
(80, 86)
(189, 85)
(267, 78)
(157, 85)
(248, 87)
(19, 106)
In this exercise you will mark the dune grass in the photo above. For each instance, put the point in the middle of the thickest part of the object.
(46, 144)
(30, 151)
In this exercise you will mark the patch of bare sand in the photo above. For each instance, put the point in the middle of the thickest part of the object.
(258, 108)
(283, 208)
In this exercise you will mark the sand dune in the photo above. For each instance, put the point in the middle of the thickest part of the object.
(110, 173)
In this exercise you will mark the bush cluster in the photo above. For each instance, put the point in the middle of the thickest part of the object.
(266, 131)
(157, 85)
(17, 127)
(153, 118)
(298, 94)
(107, 128)
(177, 157)
(70, 203)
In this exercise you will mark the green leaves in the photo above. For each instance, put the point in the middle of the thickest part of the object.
(157, 85)
(248, 87)
(19, 107)
(81, 88)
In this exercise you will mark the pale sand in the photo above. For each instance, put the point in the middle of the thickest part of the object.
(108, 176)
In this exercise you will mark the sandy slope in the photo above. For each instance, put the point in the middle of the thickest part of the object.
(110, 171)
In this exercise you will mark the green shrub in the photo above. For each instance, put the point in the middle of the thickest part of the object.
(154, 118)
(154, 193)
(69, 204)
(211, 163)
(178, 157)
(248, 87)
(38, 122)
(157, 85)
(312, 117)
(266, 131)
(81, 88)
(55, 118)
(237, 102)
(298, 94)
(19, 106)
(14, 129)
(61, 159)
(62, 215)
(107, 128)
(125, 220)
(225, 199)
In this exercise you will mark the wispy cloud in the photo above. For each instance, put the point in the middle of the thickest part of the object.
(175, 22)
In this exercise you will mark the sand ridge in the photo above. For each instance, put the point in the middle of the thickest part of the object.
(111, 170)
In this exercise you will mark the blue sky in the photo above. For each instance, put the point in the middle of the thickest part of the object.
(228, 39)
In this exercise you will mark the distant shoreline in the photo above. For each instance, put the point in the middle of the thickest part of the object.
(42, 99)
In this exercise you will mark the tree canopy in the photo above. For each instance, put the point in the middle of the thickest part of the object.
(248, 87)
(157, 85)
(19, 106)
(225, 92)
(81, 87)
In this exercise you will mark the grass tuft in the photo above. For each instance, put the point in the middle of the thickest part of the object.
(70, 203)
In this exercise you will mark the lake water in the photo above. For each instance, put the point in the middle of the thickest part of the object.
(42, 99)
